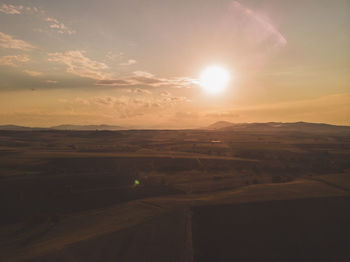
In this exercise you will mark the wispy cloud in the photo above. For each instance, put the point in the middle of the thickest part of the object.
(17, 9)
(82, 101)
(108, 101)
(78, 64)
(53, 23)
(129, 62)
(146, 79)
(165, 93)
(11, 9)
(143, 74)
(142, 91)
(33, 73)
(51, 81)
(14, 60)
(112, 56)
(7, 41)
(58, 26)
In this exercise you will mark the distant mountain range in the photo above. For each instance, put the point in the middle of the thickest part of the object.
(86, 127)
(295, 126)
(62, 127)
(221, 125)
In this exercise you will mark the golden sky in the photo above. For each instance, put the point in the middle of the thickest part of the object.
(137, 63)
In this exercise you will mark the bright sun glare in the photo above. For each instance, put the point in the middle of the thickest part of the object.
(214, 79)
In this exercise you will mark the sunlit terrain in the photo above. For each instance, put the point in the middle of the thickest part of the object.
(180, 131)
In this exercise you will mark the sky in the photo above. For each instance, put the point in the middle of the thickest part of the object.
(137, 63)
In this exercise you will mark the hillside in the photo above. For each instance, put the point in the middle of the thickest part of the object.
(279, 126)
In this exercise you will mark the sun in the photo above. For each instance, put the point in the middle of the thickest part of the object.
(214, 79)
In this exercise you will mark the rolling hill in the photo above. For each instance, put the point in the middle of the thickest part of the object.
(278, 126)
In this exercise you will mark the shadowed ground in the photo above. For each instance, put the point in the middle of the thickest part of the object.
(288, 230)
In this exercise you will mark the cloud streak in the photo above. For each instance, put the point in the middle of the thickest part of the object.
(33, 73)
(51, 81)
(17, 9)
(145, 79)
(58, 26)
(129, 62)
(11, 9)
(78, 64)
(7, 41)
(14, 60)
(54, 24)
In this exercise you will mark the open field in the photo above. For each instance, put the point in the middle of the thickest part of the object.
(72, 196)
(290, 230)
